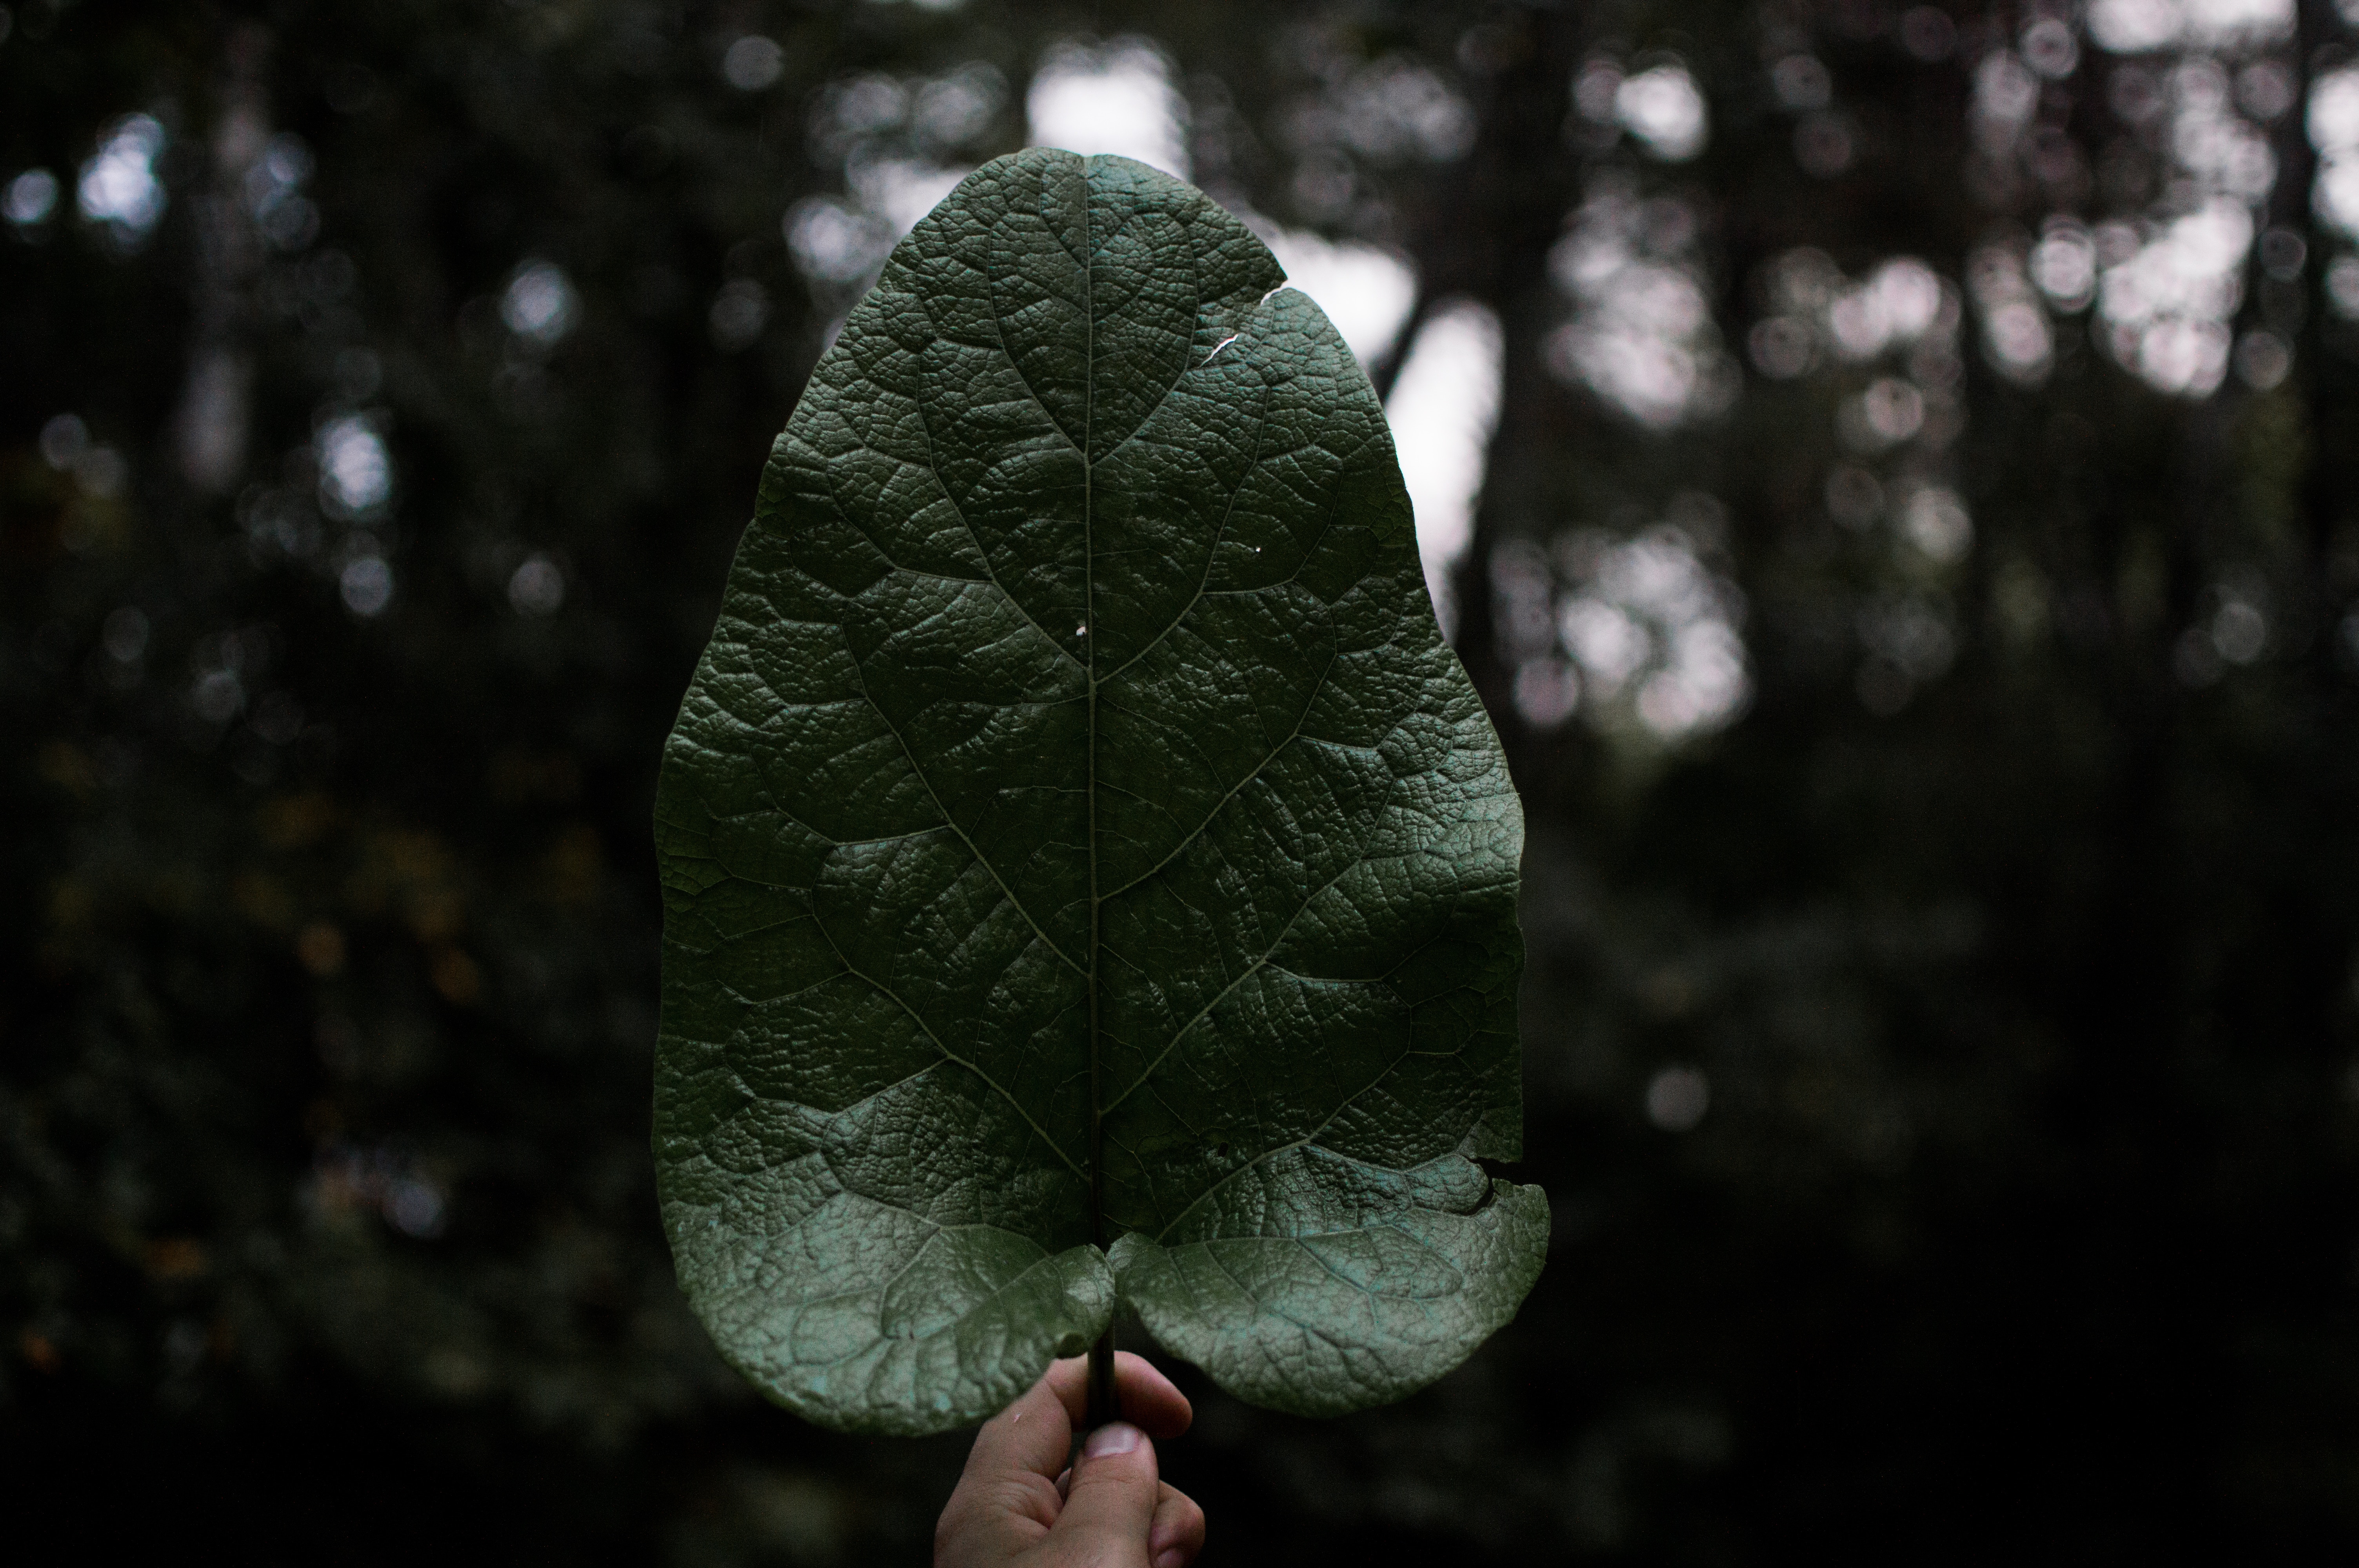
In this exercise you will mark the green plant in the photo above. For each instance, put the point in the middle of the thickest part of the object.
(1090, 877)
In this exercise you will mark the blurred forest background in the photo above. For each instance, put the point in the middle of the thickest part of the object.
(1892, 472)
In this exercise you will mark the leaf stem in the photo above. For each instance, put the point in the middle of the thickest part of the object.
(1104, 1404)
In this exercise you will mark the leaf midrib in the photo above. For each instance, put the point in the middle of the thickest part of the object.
(1090, 673)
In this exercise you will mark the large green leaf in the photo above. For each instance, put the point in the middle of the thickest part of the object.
(1087, 871)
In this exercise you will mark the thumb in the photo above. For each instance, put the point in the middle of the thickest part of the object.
(1111, 1505)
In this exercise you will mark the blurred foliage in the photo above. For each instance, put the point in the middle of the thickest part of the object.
(1942, 1064)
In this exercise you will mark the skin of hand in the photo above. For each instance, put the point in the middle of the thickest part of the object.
(1017, 1507)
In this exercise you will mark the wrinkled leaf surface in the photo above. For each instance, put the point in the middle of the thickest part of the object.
(1088, 872)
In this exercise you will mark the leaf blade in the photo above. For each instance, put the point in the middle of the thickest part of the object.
(1049, 936)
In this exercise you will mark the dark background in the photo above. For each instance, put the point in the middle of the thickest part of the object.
(2010, 925)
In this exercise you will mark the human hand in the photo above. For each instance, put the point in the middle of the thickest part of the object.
(1014, 1509)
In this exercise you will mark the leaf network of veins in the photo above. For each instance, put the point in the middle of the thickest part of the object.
(1189, 836)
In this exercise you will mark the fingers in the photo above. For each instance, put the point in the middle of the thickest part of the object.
(1114, 1495)
(1177, 1531)
(1033, 1436)
(1013, 1493)
(1144, 1396)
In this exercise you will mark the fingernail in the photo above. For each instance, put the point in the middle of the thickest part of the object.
(1175, 1558)
(1114, 1437)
